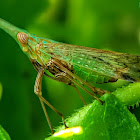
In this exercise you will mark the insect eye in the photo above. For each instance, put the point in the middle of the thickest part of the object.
(22, 37)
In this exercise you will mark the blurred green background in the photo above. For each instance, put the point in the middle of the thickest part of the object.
(111, 25)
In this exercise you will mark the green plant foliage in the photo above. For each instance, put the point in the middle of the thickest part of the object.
(129, 95)
(3, 134)
(112, 120)
(0, 91)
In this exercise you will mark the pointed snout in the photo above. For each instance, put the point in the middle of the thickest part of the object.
(11, 29)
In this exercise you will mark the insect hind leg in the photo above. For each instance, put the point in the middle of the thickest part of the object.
(79, 94)
(74, 78)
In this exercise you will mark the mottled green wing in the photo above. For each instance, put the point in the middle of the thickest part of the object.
(108, 63)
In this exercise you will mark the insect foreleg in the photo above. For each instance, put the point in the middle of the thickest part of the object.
(46, 115)
(38, 92)
(37, 66)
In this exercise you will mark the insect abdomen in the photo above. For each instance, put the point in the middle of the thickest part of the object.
(91, 76)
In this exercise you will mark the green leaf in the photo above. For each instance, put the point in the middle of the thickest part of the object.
(129, 95)
(102, 122)
(3, 134)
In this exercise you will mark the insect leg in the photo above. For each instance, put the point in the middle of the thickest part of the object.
(53, 108)
(63, 74)
(37, 66)
(46, 115)
(85, 89)
(94, 89)
(38, 92)
(71, 76)
(80, 95)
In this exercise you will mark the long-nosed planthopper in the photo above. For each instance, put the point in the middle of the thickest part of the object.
(73, 65)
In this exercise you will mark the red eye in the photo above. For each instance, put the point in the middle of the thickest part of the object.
(22, 37)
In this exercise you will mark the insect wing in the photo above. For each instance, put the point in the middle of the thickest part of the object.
(109, 63)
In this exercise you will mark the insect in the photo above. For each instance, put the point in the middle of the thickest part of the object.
(73, 65)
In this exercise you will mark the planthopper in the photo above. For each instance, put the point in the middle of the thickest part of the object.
(73, 65)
